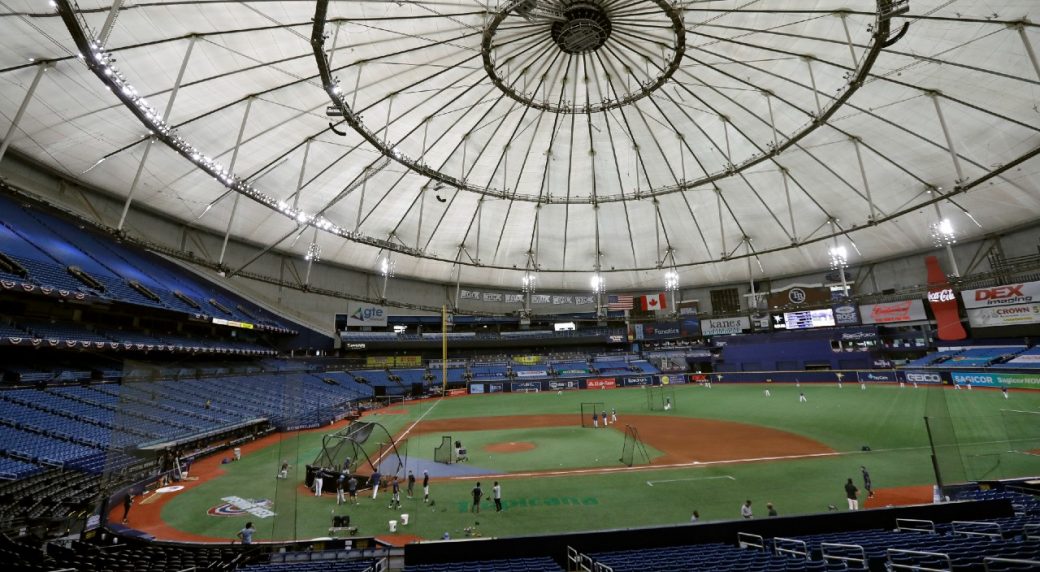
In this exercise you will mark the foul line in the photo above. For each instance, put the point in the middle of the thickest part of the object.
(379, 459)
(730, 477)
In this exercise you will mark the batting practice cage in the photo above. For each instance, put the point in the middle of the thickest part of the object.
(968, 445)
(588, 410)
(164, 426)
(633, 450)
(660, 398)
(360, 447)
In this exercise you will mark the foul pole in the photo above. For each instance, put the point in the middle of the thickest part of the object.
(444, 349)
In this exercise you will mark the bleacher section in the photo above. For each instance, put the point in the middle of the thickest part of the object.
(64, 259)
(976, 358)
(1028, 359)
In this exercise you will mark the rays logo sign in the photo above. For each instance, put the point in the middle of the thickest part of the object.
(238, 506)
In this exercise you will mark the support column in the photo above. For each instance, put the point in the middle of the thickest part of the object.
(863, 174)
(303, 171)
(815, 91)
(1029, 49)
(949, 138)
(166, 117)
(110, 21)
(753, 305)
(9, 136)
(231, 169)
(848, 39)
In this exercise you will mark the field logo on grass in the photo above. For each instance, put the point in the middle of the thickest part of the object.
(238, 506)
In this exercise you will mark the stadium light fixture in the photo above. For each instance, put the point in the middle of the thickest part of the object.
(671, 280)
(528, 282)
(598, 284)
(943, 233)
(839, 257)
(313, 253)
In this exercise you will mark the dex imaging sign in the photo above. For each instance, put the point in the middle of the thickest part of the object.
(1007, 295)
(359, 314)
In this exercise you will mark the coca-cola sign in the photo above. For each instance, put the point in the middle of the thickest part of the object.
(943, 303)
(944, 295)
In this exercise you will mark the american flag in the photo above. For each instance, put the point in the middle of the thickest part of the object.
(619, 302)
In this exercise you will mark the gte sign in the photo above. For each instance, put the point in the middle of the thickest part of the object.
(359, 314)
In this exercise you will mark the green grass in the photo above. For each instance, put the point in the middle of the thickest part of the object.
(887, 418)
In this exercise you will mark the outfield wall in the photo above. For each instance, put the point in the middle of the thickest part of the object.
(614, 382)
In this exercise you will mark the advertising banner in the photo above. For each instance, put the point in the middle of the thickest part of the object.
(528, 360)
(698, 378)
(725, 326)
(1004, 316)
(659, 331)
(879, 376)
(672, 379)
(360, 314)
(379, 361)
(846, 314)
(1027, 380)
(532, 373)
(859, 335)
(525, 386)
(892, 312)
(943, 302)
(560, 385)
(601, 383)
(638, 380)
(1009, 295)
(456, 392)
(475, 388)
(408, 361)
(492, 297)
(923, 377)
(496, 388)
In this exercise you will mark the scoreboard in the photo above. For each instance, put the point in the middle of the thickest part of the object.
(809, 319)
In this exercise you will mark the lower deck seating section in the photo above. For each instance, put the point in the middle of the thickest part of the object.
(360, 565)
(87, 557)
(966, 552)
(13, 469)
(982, 357)
(544, 564)
(87, 427)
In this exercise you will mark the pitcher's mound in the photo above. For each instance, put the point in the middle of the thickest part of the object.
(510, 447)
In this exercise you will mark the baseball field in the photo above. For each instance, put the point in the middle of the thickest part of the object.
(714, 449)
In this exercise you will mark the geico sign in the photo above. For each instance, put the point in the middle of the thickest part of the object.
(1003, 295)
(924, 377)
(944, 295)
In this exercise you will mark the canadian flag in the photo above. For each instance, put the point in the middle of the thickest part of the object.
(653, 301)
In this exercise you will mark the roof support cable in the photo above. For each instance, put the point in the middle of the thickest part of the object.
(151, 140)
(231, 168)
(9, 136)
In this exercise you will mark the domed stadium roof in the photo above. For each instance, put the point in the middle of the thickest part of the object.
(563, 136)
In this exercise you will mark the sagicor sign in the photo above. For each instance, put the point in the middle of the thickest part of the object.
(359, 314)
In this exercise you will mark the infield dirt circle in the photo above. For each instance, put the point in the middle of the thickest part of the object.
(681, 439)
(510, 447)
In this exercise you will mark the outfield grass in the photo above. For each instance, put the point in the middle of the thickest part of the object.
(886, 418)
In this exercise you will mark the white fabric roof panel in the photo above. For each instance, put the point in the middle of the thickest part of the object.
(592, 126)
